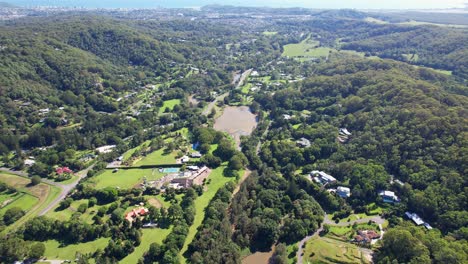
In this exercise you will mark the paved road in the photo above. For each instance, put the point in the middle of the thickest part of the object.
(66, 189)
(303, 242)
(211, 105)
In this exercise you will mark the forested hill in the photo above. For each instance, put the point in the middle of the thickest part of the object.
(412, 122)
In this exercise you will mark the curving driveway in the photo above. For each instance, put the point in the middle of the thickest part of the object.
(377, 219)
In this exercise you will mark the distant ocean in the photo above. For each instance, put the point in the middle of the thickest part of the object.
(124, 3)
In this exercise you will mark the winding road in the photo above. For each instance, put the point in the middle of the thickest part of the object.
(65, 188)
(221, 97)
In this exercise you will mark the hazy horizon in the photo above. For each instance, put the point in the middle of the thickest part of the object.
(332, 4)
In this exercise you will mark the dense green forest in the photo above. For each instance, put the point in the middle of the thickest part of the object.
(70, 84)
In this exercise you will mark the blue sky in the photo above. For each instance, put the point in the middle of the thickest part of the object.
(362, 4)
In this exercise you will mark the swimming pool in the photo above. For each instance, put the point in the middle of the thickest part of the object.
(170, 170)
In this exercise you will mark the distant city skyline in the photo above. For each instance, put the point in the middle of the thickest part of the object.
(357, 4)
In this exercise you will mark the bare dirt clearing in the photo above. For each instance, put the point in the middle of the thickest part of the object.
(237, 122)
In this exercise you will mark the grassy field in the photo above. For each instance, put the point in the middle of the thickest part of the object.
(24, 201)
(34, 198)
(55, 251)
(306, 48)
(156, 158)
(169, 104)
(328, 250)
(130, 152)
(149, 236)
(125, 178)
(217, 181)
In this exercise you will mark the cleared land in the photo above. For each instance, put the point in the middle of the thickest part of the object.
(124, 178)
(149, 236)
(169, 104)
(55, 251)
(237, 122)
(329, 250)
(157, 158)
(306, 49)
(31, 198)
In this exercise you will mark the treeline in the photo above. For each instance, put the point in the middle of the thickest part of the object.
(406, 124)
(213, 243)
(271, 208)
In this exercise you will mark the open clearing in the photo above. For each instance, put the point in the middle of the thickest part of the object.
(236, 121)
(55, 251)
(125, 178)
(258, 258)
(32, 198)
(23, 201)
(157, 158)
(169, 104)
(329, 250)
(308, 48)
(149, 236)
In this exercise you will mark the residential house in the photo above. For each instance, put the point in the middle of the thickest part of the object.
(322, 177)
(389, 197)
(343, 192)
(139, 212)
(303, 142)
(196, 155)
(415, 218)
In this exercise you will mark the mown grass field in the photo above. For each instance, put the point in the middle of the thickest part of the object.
(24, 201)
(55, 251)
(306, 48)
(124, 178)
(329, 250)
(217, 181)
(149, 236)
(156, 158)
(169, 104)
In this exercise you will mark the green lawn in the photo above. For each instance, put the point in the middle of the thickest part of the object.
(55, 251)
(68, 212)
(7, 196)
(125, 179)
(169, 104)
(130, 152)
(157, 158)
(306, 48)
(24, 201)
(301, 49)
(328, 250)
(217, 181)
(149, 236)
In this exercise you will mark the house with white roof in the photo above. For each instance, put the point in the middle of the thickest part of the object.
(322, 177)
(343, 192)
(389, 197)
(415, 218)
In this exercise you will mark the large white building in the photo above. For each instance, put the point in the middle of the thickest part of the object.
(322, 177)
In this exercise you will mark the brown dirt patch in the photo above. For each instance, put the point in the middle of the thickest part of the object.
(236, 121)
